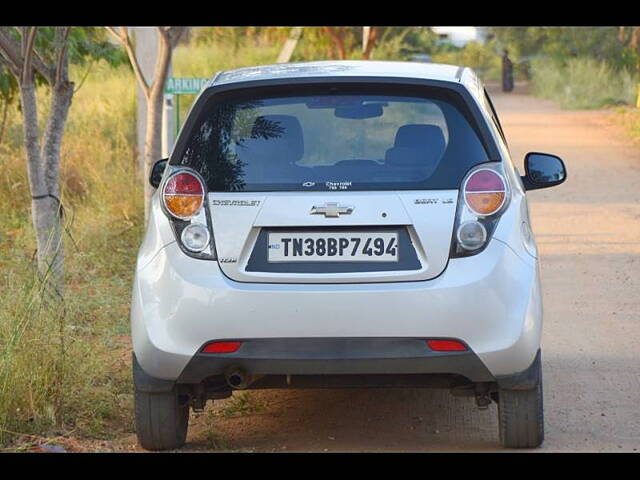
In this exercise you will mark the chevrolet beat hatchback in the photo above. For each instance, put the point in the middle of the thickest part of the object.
(340, 224)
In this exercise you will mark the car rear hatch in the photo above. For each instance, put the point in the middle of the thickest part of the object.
(387, 236)
(330, 183)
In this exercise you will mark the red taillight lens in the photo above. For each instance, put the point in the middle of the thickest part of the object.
(221, 347)
(446, 346)
(183, 195)
(485, 192)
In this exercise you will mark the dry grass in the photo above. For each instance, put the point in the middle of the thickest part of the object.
(62, 367)
(65, 367)
(629, 119)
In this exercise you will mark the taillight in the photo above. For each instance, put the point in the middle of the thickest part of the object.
(183, 195)
(485, 192)
(482, 200)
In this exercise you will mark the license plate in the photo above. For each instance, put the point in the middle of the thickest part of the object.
(333, 247)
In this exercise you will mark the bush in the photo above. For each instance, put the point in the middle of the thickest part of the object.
(481, 57)
(582, 83)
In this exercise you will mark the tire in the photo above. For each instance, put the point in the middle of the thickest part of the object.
(521, 416)
(161, 420)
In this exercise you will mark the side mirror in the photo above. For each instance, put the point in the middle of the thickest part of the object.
(156, 172)
(543, 171)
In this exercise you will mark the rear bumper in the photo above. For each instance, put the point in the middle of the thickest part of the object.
(336, 356)
(490, 301)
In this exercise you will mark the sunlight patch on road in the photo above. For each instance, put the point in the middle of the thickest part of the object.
(566, 228)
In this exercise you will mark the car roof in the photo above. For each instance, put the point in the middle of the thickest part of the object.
(342, 68)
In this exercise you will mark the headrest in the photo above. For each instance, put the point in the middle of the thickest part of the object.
(277, 139)
(417, 146)
(420, 136)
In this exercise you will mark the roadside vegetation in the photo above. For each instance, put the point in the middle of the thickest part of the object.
(580, 67)
(582, 83)
(61, 363)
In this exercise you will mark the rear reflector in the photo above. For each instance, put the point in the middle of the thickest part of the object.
(221, 347)
(446, 346)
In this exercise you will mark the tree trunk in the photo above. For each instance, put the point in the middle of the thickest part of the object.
(5, 110)
(153, 135)
(371, 42)
(50, 208)
(152, 144)
(336, 35)
(290, 45)
(43, 167)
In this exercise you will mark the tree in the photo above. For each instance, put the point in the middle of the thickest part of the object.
(8, 90)
(601, 43)
(630, 37)
(41, 55)
(290, 45)
(168, 38)
(347, 42)
(370, 37)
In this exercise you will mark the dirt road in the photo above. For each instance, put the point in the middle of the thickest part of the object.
(588, 232)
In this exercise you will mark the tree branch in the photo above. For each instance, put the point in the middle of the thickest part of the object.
(162, 62)
(62, 54)
(174, 35)
(126, 42)
(10, 49)
(18, 53)
(27, 52)
(7, 63)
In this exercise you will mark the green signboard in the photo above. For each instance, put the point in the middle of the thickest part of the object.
(184, 85)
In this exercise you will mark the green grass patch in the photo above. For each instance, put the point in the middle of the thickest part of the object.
(582, 83)
(240, 405)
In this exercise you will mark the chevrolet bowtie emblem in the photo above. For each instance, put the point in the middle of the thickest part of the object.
(332, 210)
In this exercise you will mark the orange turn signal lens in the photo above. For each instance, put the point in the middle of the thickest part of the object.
(183, 205)
(485, 203)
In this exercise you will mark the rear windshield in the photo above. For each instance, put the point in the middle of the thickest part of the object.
(356, 140)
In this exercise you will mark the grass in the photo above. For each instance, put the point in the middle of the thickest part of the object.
(64, 366)
(582, 83)
(240, 405)
(629, 119)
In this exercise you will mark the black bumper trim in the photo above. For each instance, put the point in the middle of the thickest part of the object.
(146, 383)
(336, 356)
(525, 380)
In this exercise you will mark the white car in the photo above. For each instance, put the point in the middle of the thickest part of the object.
(340, 224)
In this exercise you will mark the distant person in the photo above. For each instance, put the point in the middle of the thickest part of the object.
(507, 72)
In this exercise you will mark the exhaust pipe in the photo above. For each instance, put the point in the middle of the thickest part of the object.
(238, 379)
